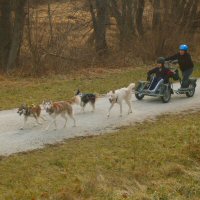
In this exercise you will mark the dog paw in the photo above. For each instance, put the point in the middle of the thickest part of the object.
(108, 115)
(22, 128)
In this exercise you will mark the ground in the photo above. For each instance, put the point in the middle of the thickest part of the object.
(151, 160)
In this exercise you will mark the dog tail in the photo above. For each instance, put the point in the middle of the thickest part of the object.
(98, 96)
(37, 109)
(131, 86)
(74, 100)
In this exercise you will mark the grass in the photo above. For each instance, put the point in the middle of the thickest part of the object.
(150, 161)
(14, 92)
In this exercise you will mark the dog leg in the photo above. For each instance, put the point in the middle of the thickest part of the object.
(64, 117)
(25, 120)
(120, 104)
(83, 108)
(52, 121)
(108, 115)
(55, 125)
(74, 120)
(129, 106)
(72, 117)
(44, 119)
(39, 123)
(93, 106)
(82, 104)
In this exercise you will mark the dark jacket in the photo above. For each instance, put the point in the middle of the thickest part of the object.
(184, 61)
(161, 72)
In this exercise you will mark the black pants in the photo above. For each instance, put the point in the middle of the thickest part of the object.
(186, 74)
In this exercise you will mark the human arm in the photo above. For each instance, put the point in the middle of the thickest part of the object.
(150, 72)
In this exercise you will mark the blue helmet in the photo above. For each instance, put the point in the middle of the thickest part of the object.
(183, 47)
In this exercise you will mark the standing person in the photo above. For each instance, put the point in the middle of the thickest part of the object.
(185, 63)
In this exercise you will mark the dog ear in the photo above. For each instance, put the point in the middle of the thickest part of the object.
(113, 91)
(77, 92)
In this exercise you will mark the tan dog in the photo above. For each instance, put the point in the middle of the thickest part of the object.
(30, 111)
(59, 108)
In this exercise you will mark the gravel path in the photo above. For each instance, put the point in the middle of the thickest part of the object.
(13, 140)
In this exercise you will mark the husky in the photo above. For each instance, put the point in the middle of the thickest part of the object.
(58, 108)
(117, 96)
(30, 111)
(83, 99)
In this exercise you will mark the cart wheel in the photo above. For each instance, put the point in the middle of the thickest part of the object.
(166, 95)
(139, 96)
(191, 91)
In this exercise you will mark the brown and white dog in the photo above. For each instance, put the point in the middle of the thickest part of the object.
(59, 108)
(117, 96)
(30, 111)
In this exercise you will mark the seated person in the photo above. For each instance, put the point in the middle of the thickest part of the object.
(162, 74)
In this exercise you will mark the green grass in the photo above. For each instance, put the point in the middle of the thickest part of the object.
(152, 161)
(18, 91)
(14, 93)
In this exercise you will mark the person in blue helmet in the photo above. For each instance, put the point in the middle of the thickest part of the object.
(185, 62)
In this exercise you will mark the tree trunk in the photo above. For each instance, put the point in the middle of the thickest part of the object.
(50, 21)
(156, 22)
(99, 20)
(17, 34)
(5, 32)
(124, 17)
(139, 16)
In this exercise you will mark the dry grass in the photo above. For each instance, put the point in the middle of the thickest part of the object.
(150, 161)
(71, 45)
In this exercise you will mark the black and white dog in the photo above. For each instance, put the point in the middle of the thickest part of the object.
(83, 99)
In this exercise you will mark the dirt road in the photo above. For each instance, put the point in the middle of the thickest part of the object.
(13, 140)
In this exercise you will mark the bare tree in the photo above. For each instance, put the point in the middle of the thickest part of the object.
(5, 32)
(99, 18)
(124, 16)
(17, 33)
(129, 17)
(50, 20)
(12, 31)
(139, 16)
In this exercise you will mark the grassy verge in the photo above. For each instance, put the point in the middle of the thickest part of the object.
(156, 160)
(14, 92)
